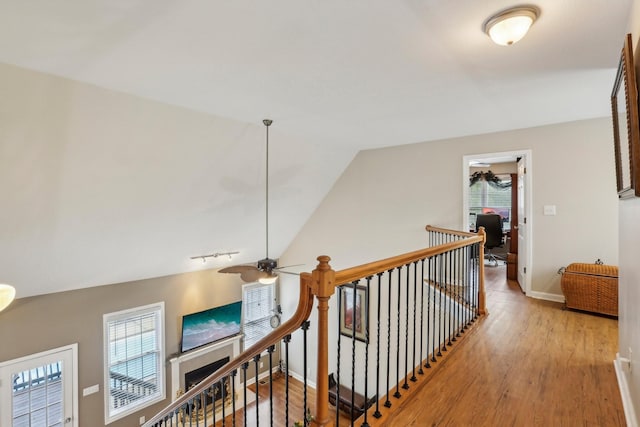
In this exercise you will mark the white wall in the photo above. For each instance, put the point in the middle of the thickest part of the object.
(629, 293)
(382, 202)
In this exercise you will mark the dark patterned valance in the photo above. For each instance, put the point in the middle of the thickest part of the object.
(491, 178)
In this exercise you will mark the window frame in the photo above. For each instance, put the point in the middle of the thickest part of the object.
(157, 311)
(271, 309)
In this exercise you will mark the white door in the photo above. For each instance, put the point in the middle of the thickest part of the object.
(40, 390)
(522, 225)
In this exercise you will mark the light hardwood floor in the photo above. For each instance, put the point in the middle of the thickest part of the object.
(528, 363)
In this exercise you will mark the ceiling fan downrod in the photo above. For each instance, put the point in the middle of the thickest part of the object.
(267, 123)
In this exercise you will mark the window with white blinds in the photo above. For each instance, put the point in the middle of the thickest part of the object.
(134, 360)
(258, 304)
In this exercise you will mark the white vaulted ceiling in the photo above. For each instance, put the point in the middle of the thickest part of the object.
(335, 76)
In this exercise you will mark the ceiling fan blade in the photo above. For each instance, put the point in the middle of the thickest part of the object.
(254, 275)
(237, 269)
(288, 266)
(288, 272)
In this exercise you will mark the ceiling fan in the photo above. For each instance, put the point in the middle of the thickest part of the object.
(263, 271)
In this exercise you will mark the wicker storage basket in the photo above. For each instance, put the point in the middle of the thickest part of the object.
(591, 287)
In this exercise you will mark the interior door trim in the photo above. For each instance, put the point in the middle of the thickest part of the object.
(528, 157)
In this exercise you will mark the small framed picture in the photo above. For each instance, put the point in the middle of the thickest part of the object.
(354, 312)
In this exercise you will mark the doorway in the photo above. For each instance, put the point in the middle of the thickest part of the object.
(523, 227)
(40, 389)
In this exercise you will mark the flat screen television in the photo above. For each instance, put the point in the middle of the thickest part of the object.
(214, 324)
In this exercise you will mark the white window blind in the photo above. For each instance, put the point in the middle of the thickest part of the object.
(483, 196)
(258, 305)
(134, 360)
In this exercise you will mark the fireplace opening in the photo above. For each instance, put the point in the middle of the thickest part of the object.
(192, 378)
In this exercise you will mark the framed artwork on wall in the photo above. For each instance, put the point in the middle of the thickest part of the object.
(626, 128)
(354, 312)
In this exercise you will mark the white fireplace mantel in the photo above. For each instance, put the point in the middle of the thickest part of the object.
(233, 344)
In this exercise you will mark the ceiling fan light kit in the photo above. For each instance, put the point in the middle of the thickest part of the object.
(511, 25)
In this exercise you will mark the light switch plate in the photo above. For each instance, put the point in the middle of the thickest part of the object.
(90, 390)
(549, 209)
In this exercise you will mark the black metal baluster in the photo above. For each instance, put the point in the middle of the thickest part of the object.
(427, 283)
(196, 409)
(287, 340)
(406, 329)
(450, 297)
(467, 296)
(354, 291)
(256, 363)
(468, 262)
(305, 328)
(475, 291)
(192, 406)
(377, 413)
(415, 302)
(365, 423)
(202, 404)
(438, 289)
(430, 331)
(213, 404)
(233, 398)
(456, 293)
(397, 394)
(270, 350)
(459, 278)
(463, 284)
(387, 403)
(245, 366)
(420, 371)
(339, 347)
(222, 400)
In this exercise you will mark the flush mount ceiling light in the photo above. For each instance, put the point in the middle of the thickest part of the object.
(511, 25)
(7, 294)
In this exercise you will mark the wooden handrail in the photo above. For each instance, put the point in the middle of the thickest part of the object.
(350, 274)
(305, 305)
(447, 231)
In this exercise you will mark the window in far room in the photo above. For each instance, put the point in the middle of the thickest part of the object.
(490, 194)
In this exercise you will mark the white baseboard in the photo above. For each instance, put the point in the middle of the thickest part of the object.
(546, 296)
(627, 403)
(300, 378)
(262, 375)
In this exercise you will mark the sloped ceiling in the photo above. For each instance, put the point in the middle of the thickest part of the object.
(337, 77)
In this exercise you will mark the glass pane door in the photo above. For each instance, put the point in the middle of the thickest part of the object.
(38, 389)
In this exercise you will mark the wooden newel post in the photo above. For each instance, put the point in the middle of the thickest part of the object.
(482, 305)
(323, 286)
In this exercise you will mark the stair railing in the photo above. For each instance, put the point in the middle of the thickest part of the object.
(450, 272)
